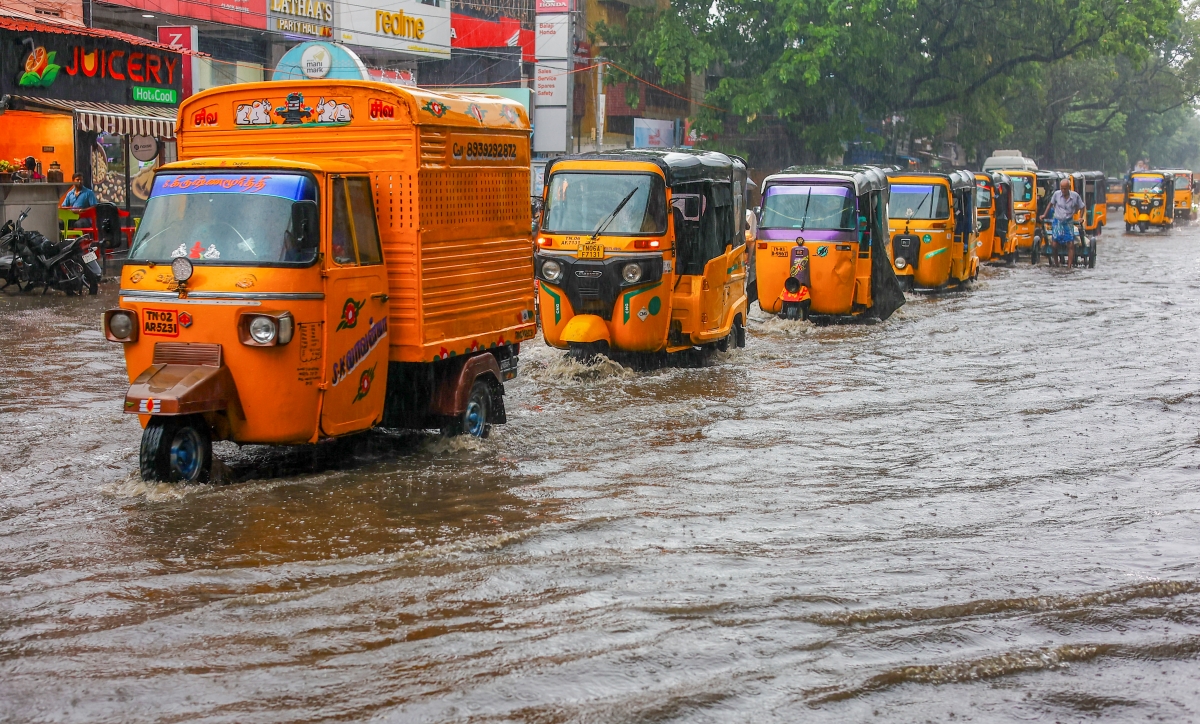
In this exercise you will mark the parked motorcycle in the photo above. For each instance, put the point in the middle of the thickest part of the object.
(30, 260)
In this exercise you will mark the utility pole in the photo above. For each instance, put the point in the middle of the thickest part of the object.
(600, 102)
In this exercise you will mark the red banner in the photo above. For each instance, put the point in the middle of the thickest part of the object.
(471, 32)
(246, 13)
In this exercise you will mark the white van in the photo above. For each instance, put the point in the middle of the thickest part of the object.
(1009, 160)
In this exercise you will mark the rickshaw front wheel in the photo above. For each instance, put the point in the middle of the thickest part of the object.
(176, 449)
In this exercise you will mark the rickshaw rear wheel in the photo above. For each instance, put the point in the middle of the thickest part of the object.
(474, 419)
(176, 449)
(739, 332)
(1128, 227)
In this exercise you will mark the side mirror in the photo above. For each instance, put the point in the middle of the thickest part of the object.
(306, 227)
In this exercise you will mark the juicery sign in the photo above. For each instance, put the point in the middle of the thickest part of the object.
(82, 68)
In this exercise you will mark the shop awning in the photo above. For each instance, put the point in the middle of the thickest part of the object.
(113, 117)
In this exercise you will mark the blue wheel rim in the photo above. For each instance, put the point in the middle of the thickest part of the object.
(474, 419)
(186, 454)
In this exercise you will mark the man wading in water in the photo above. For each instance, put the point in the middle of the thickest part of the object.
(1064, 203)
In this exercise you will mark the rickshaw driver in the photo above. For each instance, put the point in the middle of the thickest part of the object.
(1064, 203)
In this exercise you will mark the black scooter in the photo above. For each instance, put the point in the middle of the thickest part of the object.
(30, 260)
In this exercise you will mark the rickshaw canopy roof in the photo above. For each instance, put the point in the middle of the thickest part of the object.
(957, 179)
(862, 178)
(677, 165)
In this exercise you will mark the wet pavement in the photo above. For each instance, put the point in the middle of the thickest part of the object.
(984, 509)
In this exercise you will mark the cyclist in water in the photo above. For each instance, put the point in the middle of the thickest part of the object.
(1063, 205)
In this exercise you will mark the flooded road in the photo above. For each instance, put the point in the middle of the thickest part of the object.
(985, 509)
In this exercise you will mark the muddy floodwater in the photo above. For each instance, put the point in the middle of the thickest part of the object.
(985, 509)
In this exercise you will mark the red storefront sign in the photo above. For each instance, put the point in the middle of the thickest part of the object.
(246, 13)
(182, 37)
(471, 32)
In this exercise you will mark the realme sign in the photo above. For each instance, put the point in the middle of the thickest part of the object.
(400, 24)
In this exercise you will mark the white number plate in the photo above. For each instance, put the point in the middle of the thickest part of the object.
(89, 257)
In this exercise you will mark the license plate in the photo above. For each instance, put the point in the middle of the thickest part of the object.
(591, 250)
(89, 257)
(160, 323)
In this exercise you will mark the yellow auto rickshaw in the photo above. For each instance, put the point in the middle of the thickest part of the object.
(1025, 211)
(934, 228)
(1149, 201)
(643, 252)
(822, 245)
(1092, 187)
(1184, 186)
(326, 257)
(1114, 194)
(994, 201)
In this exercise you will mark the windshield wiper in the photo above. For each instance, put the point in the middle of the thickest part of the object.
(807, 201)
(609, 219)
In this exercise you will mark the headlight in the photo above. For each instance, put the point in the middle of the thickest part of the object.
(1157, 202)
(1022, 218)
(120, 325)
(263, 330)
(551, 270)
(631, 273)
(791, 285)
(900, 262)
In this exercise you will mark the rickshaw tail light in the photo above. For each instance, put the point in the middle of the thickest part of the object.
(120, 325)
(543, 241)
(645, 243)
(762, 245)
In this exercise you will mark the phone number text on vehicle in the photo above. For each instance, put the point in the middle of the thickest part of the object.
(479, 151)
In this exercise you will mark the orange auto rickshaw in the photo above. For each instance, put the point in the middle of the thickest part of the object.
(642, 253)
(822, 245)
(934, 228)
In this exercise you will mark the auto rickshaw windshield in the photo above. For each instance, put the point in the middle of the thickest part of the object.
(983, 199)
(820, 208)
(1182, 179)
(925, 201)
(1022, 188)
(1144, 184)
(580, 203)
(225, 218)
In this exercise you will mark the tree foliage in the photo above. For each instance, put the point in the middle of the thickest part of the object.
(827, 71)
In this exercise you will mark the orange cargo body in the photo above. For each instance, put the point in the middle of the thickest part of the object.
(455, 224)
(407, 311)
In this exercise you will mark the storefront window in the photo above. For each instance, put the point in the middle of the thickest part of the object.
(108, 168)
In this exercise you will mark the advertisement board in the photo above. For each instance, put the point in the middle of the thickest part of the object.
(470, 32)
(303, 18)
(552, 6)
(553, 37)
(551, 80)
(245, 13)
(183, 37)
(650, 133)
(407, 26)
(550, 129)
(85, 68)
